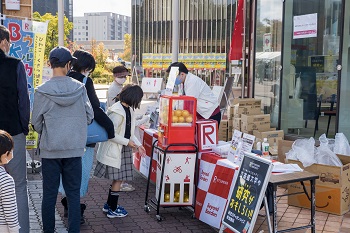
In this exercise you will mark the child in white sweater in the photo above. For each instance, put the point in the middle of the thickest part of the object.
(8, 204)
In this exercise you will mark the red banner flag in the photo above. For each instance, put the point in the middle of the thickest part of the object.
(237, 38)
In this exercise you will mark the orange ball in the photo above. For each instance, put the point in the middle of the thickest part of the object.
(189, 119)
(181, 119)
(175, 119)
(178, 113)
(177, 194)
(185, 113)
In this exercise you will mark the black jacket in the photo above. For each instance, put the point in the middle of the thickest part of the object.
(14, 98)
(99, 115)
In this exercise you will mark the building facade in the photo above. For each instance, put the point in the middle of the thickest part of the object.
(297, 54)
(101, 26)
(204, 31)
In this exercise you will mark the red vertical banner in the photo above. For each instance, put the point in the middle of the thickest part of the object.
(237, 38)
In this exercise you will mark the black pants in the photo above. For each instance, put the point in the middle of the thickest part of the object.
(216, 117)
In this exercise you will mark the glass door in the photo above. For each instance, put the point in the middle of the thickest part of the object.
(311, 48)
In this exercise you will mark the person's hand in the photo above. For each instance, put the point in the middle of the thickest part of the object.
(142, 150)
(132, 144)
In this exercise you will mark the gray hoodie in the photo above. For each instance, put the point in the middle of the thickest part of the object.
(61, 114)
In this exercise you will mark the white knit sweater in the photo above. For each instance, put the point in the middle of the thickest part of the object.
(8, 204)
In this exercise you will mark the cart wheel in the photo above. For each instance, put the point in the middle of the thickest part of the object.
(146, 209)
(159, 218)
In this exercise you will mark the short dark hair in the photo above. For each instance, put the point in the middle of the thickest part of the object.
(84, 61)
(182, 67)
(119, 69)
(131, 95)
(4, 33)
(6, 142)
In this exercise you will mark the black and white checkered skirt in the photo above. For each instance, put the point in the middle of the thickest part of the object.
(112, 173)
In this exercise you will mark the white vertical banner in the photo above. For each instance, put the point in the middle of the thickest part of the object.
(305, 26)
(12, 5)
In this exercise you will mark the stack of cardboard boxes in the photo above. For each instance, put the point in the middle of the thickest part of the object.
(245, 115)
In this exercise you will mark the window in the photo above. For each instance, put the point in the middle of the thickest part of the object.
(87, 33)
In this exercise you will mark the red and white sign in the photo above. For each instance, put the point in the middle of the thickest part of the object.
(215, 179)
(305, 26)
(178, 178)
(207, 134)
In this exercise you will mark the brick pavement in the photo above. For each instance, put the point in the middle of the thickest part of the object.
(175, 220)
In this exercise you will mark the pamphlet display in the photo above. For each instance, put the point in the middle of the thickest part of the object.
(247, 146)
(235, 145)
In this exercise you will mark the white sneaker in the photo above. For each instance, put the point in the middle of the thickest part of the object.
(125, 187)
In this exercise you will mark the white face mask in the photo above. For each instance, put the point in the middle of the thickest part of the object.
(120, 80)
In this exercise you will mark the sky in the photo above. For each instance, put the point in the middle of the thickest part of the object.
(122, 7)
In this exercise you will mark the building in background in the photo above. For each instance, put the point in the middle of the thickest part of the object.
(113, 46)
(101, 26)
(297, 54)
(51, 6)
(205, 32)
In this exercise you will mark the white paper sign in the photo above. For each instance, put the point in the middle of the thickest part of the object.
(13, 5)
(305, 26)
(151, 85)
(234, 148)
(247, 146)
(174, 71)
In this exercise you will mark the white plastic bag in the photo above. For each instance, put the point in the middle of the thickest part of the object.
(303, 150)
(341, 144)
(324, 155)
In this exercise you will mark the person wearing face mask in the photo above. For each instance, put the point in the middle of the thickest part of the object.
(14, 119)
(61, 113)
(207, 103)
(81, 68)
(119, 74)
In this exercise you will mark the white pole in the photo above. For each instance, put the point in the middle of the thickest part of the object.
(175, 47)
(243, 52)
(60, 22)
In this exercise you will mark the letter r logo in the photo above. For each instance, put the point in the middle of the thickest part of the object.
(208, 131)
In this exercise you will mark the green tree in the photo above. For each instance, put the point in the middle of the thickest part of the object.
(52, 30)
(126, 55)
(99, 52)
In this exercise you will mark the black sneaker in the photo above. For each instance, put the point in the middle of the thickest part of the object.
(82, 209)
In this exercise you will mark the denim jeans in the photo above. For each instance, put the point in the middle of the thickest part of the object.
(70, 169)
(17, 168)
(86, 164)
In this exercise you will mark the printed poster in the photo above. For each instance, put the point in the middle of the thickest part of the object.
(305, 26)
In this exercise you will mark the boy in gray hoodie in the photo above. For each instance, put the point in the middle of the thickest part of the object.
(61, 114)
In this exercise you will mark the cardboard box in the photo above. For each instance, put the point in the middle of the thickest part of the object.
(273, 136)
(269, 134)
(247, 110)
(246, 102)
(332, 188)
(237, 123)
(250, 127)
(328, 199)
(255, 118)
(283, 147)
(222, 133)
